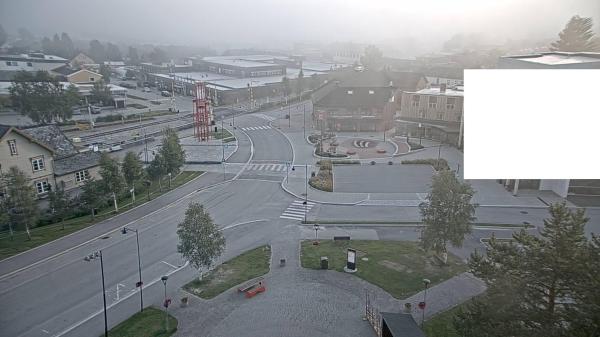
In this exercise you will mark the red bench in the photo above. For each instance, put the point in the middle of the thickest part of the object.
(253, 288)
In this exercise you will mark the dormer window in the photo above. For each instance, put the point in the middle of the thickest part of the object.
(371, 92)
(350, 92)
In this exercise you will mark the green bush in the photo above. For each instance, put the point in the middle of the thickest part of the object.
(414, 146)
(438, 165)
(110, 118)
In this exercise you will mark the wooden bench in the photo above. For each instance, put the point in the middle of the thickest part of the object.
(246, 287)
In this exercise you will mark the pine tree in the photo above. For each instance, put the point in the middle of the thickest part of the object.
(577, 36)
(447, 213)
(200, 241)
(536, 274)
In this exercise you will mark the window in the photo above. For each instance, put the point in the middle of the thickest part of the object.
(450, 101)
(12, 145)
(29, 64)
(82, 176)
(458, 117)
(433, 102)
(422, 114)
(415, 101)
(432, 105)
(371, 92)
(350, 92)
(42, 186)
(92, 79)
(37, 164)
(440, 115)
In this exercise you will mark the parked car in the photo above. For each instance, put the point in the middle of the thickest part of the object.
(127, 85)
(115, 148)
(165, 93)
(96, 109)
(146, 89)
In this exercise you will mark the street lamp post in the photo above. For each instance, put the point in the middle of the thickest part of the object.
(420, 134)
(140, 283)
(166, 303)
(305, 191)
(89, 258)
(426, 284)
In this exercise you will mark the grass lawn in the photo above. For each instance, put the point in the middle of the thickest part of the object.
(240, 269)
(149, 323)
(45, 234)
(441, 325)
(221, 135)
(398, 267)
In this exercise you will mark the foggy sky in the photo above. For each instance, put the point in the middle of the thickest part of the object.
(279, 23)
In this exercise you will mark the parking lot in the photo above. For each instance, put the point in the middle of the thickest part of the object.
(382, 178)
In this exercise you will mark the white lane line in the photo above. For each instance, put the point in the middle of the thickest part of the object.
(242, 223)
(74, 326)
(293, 212)
(260, 167)
(291, 218)
(45, 331)
(168, 264)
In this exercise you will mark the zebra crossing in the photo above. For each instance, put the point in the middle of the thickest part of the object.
(297, 210)
(256, 128)
(263, 116)
(266, 167)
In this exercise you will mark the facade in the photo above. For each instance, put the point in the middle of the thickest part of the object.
(434, 113)
(362, 100)
(551, 60)
(77, 76)
(80, 60)
(31, 62)
(47, 157)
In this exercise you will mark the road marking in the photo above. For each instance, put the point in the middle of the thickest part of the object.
(297, 210)
(74, 326)
(242, 223)
(168, 264)
(2, 277)
(45, 331)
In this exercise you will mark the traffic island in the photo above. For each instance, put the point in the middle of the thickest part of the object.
(397, 267)
(150, 322)
(242, 268)
(324, 179)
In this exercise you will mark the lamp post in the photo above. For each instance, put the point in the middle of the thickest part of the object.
(166, 303)
(87, 259)
(140, 283)
(426, 284)
(305, 191)
(304, 122)
(420, 134)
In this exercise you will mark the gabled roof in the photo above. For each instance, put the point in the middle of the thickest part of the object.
(402, 325)
(52, 137)
(6, 129)
(89, 71)
(76, 162)
(64, 70)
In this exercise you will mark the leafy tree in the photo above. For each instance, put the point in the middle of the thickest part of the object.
(200, 241)
(156, 169)
(93, 196)
(4, 217)
(132, 168)
(577, 36)
(112, 179)
(20, 200)
(3, 36)
(534, 279)
(97, 51)
(113, 53)
(373, 58)
(300, 84)
(132, 55)
(59, 204)
(105, 72)
(67, 47)
(171, 152)
(447, 213)
(42, 97)
(285, 83)
(158, 56)
(100, 93)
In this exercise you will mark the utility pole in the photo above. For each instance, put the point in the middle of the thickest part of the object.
(289, 116)
(89, 109)
(222, 143)
(304, 122)
(305, 191)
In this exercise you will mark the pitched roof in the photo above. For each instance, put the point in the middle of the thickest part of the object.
(4, 129)
(52, 136)
(76, 162)
(361, 98)
(64, 70)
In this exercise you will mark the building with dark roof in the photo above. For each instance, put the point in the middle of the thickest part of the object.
(362, 100)
(399, 325)
(47, 157)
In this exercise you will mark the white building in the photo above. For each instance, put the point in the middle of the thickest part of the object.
(31, 62)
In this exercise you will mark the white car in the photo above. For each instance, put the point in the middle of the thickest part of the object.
(146, 89)
(115, 148)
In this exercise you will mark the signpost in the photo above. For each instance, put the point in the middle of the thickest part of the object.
(350, 261)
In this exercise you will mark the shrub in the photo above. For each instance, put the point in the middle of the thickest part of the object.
(443, 164)
(414, 146)
(110, 118)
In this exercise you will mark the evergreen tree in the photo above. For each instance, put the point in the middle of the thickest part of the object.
(447, 213)
(577, 36)
(67, 47)
(47, 46)
(537, 276)
(20, 200)
(113, 53)
(100, 93)
(132, 168)
(97, 51)
(132, 55)
(200, 241)
(373, 58)
(105, 72)
(300, 84)
(285, 83)
(56, 46)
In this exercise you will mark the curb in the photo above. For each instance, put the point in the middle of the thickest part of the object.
(317, 201)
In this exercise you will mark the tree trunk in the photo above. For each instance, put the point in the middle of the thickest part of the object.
(28, 233)
(10, 229)
(93, 217)
(62, 221)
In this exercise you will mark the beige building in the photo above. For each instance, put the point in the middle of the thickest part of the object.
(77, 76)
(29, 155)
(80, 60)
(434, 113)
(47, 157)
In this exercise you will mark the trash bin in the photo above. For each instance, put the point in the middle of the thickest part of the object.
(324, 262)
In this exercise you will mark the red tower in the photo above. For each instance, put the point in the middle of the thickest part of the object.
(202, 113)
